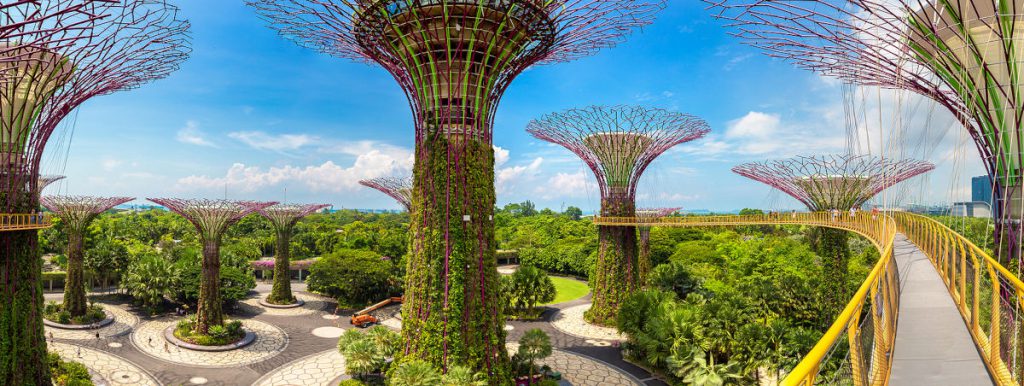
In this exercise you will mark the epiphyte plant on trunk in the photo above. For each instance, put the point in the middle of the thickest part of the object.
(54, 56)
(617, 143)
(454, 59)
(284, 217)
(211, 219)
(76, 213)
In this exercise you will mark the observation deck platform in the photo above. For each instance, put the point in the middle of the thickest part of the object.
(933, 346)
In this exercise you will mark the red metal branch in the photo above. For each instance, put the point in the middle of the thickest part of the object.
(77, 211)
(286, 215)
(398, 188)
(211, 217)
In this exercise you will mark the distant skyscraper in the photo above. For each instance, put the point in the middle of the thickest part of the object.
(981, 189)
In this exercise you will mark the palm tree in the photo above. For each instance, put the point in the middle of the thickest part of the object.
(463, 376)
(149, 279)
(388, 342)
(533, 346)
(414, 373)
(700, 369)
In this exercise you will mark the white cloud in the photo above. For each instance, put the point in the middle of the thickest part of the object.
(755, 125)
(263, 141)
(326, 177)
(191, 134)
(564, 185)
(110, 164)
(500, 156)
(505, 178)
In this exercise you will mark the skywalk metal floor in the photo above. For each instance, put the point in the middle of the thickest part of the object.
(933, 346)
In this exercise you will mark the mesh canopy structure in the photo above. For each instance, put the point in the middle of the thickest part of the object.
(211, 217)
(286, 215)
(57, 54)
(833, 181)
(76, 212)
(398, 188)
(618, 142)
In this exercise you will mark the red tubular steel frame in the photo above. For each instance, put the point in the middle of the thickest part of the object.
(398, 188)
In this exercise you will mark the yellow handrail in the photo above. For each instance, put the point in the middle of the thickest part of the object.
(963, 267)
(22, 221)
(880, 290)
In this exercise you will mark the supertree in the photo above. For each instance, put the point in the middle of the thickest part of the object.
(75, 213)
(284, 217)
(211, 219)
(398, 188)
(454, 59)
(617, 143)
(833, 183)
(647, 215)
(54, 56)
(962, 54)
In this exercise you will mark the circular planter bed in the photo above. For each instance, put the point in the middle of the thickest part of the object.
(91, 326)
(298, 303)
(245, 341)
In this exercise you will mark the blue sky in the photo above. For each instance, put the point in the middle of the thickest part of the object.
(251, 116)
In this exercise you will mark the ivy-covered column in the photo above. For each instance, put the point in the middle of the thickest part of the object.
(644, 263)
(210, 311)
(452, 313)
(616, 271)
(74, 286)
(22, 344)
(281, 292)
(831, 245)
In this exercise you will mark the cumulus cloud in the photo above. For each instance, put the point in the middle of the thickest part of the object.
(263, 141)
(564, 185)
(506, 178)
(326, 177)
(754, 125)
(500, 156)
(191, 134)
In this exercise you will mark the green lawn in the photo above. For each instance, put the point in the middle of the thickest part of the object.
(568, 289)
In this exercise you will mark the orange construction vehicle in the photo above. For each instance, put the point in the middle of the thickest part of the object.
(363, 318)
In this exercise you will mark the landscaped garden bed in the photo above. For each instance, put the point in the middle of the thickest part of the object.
(230, 336)
(54, 315)
(266, 303)
(67, 373)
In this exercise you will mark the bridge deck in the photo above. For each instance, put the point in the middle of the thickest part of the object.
(933, 346)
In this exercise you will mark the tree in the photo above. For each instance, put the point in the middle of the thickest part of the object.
(361, 357)
(235, 284)
(107, 258)
(534, 346)
(674, 277)
(573, 212)
(699, 369)
(527, 287)
(150, 279)
(414, 373)
(355, 278)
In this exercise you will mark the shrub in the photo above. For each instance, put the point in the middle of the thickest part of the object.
(355, 278)
(230, 332)
(352, 382)
(235, 284)
(673, 277)
(66, 373)
(219, 332)
(64, 317)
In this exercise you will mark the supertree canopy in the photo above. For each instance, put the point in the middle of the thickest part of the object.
(833, 182)
(454, 59)
(647, 215)
(75, 213)
(398, 188)
(964, 54)
(44, 181)
(284, 217)
(618, 144)
(211, 219)
(54, 56)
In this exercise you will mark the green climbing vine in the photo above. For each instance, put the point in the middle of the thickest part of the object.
(615, 273)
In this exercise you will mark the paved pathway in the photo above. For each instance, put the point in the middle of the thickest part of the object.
(933, 346)
(314, 370)
(570, 321)
(270, 341)
(113, 370)
(580, 370)
(123, 323)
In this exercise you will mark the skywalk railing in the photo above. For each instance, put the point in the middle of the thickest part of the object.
(857, 348)
(988, 295)
(17, 222)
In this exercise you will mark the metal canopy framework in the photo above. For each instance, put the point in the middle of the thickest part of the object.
(44, 181)
(76, 212)
(398, 188)
(833, 181)
(57, 54)
(618, 142)
(286, 215)
(211, 217)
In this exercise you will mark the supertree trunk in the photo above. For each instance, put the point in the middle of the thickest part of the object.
(451, 313)
(22, 344)
(209, 312)
(281, 293)
(74, 287)
(615, 273)
(644, 263)
(832, 247)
